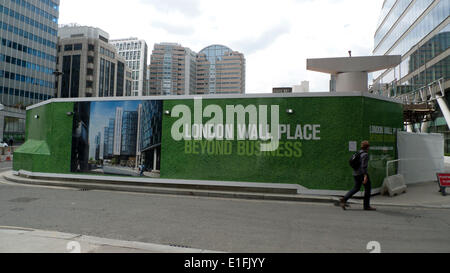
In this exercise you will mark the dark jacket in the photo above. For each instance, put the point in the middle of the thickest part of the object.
(364, 164)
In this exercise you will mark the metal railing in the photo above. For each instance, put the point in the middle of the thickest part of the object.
(425, 94)
(388, 163)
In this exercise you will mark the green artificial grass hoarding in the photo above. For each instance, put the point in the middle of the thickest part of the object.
(317, 136)
(304, 140)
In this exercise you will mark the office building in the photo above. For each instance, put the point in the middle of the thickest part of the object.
(419, 31)
(220, 70)
(135, 53)
(88, 66)
(172, 70)
(129, 133)
(149, 134)
(98, 139)
(28, 35)
(302, 88)
(177, 70)
(108, 140)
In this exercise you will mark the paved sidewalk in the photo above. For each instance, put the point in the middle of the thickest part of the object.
(19, 240)
(421, 195)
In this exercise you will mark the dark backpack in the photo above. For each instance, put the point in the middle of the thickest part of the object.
(355, 161)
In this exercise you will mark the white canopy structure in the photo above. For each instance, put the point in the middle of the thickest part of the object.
(352, 72)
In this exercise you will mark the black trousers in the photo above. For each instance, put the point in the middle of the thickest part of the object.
(367, 190)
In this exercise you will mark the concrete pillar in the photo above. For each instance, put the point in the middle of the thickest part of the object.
(2, 124)
(410, 128)
(444, 108)
(425, 126)
(155, 158)
(352, 81)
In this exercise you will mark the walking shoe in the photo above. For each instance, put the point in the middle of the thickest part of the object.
(370, 209)
(343, 204)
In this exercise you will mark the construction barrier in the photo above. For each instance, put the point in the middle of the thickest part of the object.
(6, 154)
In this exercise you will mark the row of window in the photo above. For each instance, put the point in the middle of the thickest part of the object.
(411, 16)
(28, 20)
(28, 50)
(25, 79)
(134, 65)
(393, 16)
(37, 10)
(23, 93)
(107, 52)
(71, 47)
(131, 55)
(436, 16)
(50, 4)
(25, 64)
(128, 46)
(27, 35)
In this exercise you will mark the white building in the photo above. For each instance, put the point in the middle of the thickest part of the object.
(302, 88)
(135, 52)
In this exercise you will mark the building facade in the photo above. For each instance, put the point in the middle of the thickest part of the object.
(177, 70)
(28, 36)
(220, 70)
(419, 31)
(149, 135)
(135, 53)
(89, 66)
(302, 88)
(172, 70)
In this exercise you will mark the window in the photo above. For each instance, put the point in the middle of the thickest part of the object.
(68, 47)
(78, 47)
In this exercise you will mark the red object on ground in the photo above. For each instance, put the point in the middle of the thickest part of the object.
(444, 179)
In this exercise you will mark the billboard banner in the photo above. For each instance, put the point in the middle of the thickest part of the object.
(306, 141)
(117, 138)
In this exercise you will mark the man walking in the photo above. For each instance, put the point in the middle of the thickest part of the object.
(361, 177)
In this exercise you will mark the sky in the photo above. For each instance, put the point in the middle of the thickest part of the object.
(276, 37)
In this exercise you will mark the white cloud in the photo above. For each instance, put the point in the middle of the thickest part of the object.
(276, 37)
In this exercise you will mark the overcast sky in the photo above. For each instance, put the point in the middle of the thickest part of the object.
(276, 37)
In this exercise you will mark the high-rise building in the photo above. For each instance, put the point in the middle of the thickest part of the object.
(135, 52)
(220, 70)
(149, 134)
(302, 88)
(108, 140)
(172, 70)
(177, 70)
(89, 66)
(98, 139)
(28, 35)
(419, 31)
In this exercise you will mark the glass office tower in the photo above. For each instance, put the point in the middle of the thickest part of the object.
(28, 34)
(28, 38)
(419, 31)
